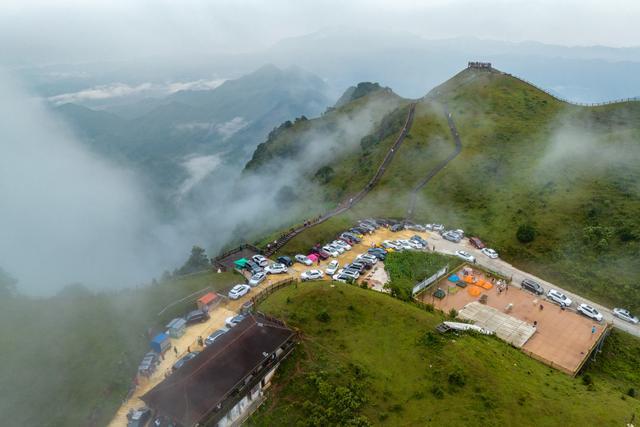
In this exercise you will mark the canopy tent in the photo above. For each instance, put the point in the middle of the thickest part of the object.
(453, 278)
(313, 257)
(241, 263)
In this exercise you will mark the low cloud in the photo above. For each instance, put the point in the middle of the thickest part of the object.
(121, 90)
(68, 216)
(228, 129)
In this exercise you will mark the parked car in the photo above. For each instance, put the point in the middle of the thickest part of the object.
(625, 315)
(370, 259)
(356, 232)
(341, 277)
(353, 274)
(559, 298)
(320, 252)
(232, 321)
(366, 227)
(388, 244)
(357, 266)
(343, 244)
(404, 245)
(312, 275)
(415, 244)
(196, 316)
(341, 249)
(437, 227)
(260, 260)
(332, 267)
(303, 259)
(253, 267)
(397, 227)
(277, 268)
(452, 236)
(285, 260)
(331, 251)
(350, 236)
(380, 254)
(180, 363)
(138, 418)
(476, 243)
(590, 312)
(532, 286)
(419, 239)
(215, 335)
(466, 256)
(257, 278)
(490, 253)
(239, 291)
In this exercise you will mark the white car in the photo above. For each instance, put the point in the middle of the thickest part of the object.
(559, 298)
(404, 244)
(312, 275)
(625, 315)
(337, 248)
(340, 277)
(257, 278)
(332, 267)
(232, 321)
(490, 253)
(342, 244)
(391, 244)
(239, 291)
(466, 256)
(368, 257)
(590, 312)
(276, 268)
(331, 251)
(260, 260)
(303, 259)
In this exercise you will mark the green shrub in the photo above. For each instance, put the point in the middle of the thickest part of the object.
(526, 233)
(457, 379)
(323, 316)
(437, 392)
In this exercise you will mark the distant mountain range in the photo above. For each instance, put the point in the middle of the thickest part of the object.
(159, 136)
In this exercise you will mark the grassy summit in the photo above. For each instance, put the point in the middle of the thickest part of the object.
(566, 175)
(366, 358)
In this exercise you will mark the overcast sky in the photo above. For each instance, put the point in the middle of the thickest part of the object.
(45, 31)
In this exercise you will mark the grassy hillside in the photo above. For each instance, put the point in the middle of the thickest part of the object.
(569, 172)
(528, 160)
(366, 358)
(70, 359)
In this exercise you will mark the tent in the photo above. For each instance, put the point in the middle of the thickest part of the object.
(206, 301)
(176, 327)
(313, 257)
(453, 278)
(160, 343)
(241, 263)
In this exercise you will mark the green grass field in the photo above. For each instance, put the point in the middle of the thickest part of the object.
(406, 269)
(367, 358)
(69, 360)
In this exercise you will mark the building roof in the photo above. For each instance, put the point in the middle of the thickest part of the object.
(208, 298)
(203, 383)
(160, 338)
(176, 323)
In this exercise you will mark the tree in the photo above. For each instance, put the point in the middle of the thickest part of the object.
(7, 284)
(526, 233)
(197, 261)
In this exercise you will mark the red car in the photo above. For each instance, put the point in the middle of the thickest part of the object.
(477, 243)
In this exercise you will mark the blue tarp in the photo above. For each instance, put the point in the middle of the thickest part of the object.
(453, 278)
(160, 343)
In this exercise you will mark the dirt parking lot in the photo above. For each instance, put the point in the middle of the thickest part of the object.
(563, 338)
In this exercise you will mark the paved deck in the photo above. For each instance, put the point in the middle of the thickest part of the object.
(563, 338)
(508, 328)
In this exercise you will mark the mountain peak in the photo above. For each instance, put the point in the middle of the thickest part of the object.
(354, 92)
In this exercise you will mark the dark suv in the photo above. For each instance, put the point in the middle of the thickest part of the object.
(285, 260)
(196, 316)
(532, 286)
